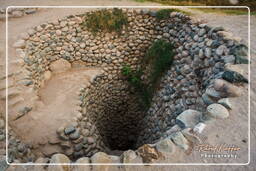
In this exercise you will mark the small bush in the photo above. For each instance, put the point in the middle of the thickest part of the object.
(158, 58)
(163, 14)
(134, 79)
(106, 20)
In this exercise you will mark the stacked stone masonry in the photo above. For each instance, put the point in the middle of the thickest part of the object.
(194, 90)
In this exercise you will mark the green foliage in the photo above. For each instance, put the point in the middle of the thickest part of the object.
(163, 14)
(158, 58)
(126, 70)
(134, 79)
(106, 20)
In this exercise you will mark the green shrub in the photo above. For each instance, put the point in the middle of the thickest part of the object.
(134, 79)
(163, 14)
(158, 58)
(106, 20)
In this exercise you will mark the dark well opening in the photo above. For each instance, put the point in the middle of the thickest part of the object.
(116, 110)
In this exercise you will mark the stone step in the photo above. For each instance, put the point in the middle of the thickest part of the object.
(12, 92)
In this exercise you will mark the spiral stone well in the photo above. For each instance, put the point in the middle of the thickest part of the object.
(197, 84)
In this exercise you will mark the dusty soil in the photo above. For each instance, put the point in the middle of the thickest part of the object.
(55, 108)
(230, 131)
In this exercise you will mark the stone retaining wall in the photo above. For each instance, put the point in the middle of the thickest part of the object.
(110, 114)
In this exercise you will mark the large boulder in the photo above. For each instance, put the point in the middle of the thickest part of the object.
(165, 147)
(20, 44)
(101, 157)
(130, 156)
(190, 117)
(179, 139)
(60, 65)
(40, 161)
(148, 153)
(239, 68)
(226, 89)
(83, 160)
(217, 111)
(234, 77)
(59, 159)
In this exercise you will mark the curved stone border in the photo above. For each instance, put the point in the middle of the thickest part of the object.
(218, 87)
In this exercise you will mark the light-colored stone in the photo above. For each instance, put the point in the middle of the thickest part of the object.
(83, 160)
(60, 159)
(2, 124)
(58, 32)
(47, 75)
(16, 168)
(20, 44)
(190, 117)
(17, 14)
(226, 89)
(191, 136)
(239, 68)
(24, 36)
(166, 147)
(199, 128)
(148, 153)
(217, 111)
(179, 139)
(222, 49)
(226, 35)
(20, 53)
(100, 157)
(61, 65)
(40, 167)
(130, 156)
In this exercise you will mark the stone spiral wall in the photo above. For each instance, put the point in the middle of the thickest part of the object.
(111, 118)
(203, 55)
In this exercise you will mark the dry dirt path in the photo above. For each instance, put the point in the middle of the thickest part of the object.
(236, 24)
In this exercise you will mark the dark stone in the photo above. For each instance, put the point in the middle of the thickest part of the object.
(74, 135)
(215, 29)
(78, 147)
(241, 54)
(78, 154)
(22, 148)
(69, 130)
(180, 124)
(152, 13)
(215, 44)
(233, 77)
(3, 164)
